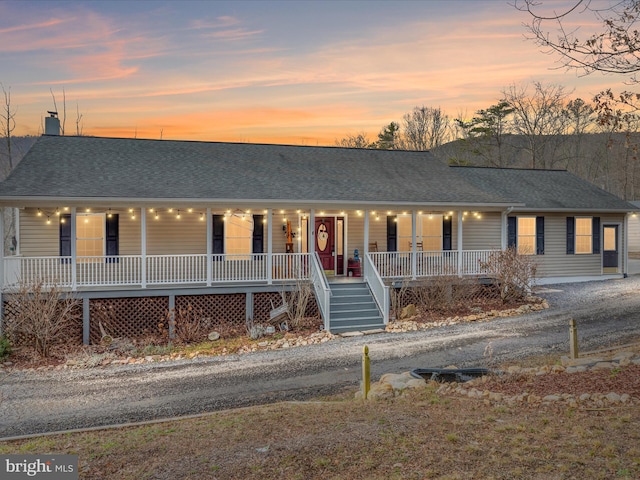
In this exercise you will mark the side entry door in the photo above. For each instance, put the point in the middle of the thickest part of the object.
(610, 246)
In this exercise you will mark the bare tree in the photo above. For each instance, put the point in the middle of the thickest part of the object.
(615, 48)
(8, 123)
(358, 140)
(64, 108)
(538, 116)
(425, 128)
(581, 119)
(79, 126)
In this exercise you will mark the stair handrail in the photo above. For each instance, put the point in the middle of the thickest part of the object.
(379, 290)
(321, 288)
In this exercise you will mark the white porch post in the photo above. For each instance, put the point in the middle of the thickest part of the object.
(209, 247)
(414, 249)
(143, 246)
(311, 247)
(460, 214)
(503, 230)
(16, 229)
(269, 246)
(74, 280)
(365, 247)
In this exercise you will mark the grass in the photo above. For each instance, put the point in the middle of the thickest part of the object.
(342, 438)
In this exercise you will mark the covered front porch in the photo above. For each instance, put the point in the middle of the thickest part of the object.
(97, 248)
(102, 247)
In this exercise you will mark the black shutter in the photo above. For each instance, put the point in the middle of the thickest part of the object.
(258, 234)
(392, 234)
(539, 235)
(512, 232)
(218, 234)
(571, 235)
(595, 234)
(111, 234)
(65, 237)
(446, 233)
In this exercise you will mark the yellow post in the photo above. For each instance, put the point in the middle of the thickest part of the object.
(366, 372)
(573, 339)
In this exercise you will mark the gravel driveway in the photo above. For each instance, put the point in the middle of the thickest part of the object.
(607, 312)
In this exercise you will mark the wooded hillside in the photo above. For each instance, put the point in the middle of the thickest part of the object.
(608, 160)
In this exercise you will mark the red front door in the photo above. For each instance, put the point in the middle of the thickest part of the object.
(325, 241)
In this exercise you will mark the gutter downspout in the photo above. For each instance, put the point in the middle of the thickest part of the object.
(625, 255)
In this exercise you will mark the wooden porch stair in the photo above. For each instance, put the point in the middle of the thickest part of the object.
(353, 308)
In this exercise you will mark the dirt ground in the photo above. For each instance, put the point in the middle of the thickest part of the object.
(420, 434)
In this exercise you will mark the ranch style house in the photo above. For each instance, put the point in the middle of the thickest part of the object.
(145, 226)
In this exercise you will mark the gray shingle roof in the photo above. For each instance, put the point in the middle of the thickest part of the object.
(543, 189)
(132, 169)
(70, 167)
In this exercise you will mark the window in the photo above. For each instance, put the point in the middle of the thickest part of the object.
(526, 234)
(583, 235)
(584, 232)
(428, 232)
(303, 240)
(96, 236)
(238, 234)
(90, 235)
(526, 243)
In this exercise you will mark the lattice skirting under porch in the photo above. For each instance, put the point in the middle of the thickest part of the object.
(147, 317)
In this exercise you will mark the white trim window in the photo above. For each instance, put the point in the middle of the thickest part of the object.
(428, 233)
(526, 242)
(584, 235)
(90, 235)
(238, 234)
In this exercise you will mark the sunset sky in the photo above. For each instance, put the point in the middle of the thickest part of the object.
(303, 73)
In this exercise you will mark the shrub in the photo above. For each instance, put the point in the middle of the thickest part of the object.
(41, 314)
(514, 273)
(297, 300)
(5, 347)
(187, 324)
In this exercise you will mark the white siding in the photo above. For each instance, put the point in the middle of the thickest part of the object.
(37, 239)
(482, 233)
(634, 233)
(130, 231)
(556, 263)
(170, 236)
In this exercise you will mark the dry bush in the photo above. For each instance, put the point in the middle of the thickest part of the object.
(447, 293)
(107, 321)
(515, 274)
(187, 324)
(41, 314)
(437, 293)
(297, 299)
(400, 297)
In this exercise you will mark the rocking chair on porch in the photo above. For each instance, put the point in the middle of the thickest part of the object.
(373, 246)
(419, 246)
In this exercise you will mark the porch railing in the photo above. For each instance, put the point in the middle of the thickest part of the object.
(379, 290)
(393, 265)
(134, 270)
(321, 288)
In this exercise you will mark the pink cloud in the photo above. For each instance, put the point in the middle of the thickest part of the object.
(32, 26)
(234, 34)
